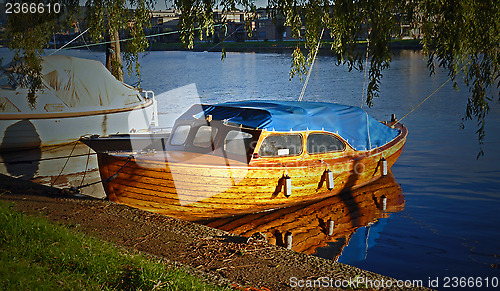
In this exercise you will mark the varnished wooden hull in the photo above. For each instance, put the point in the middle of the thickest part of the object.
(196, 186)
(308, 223)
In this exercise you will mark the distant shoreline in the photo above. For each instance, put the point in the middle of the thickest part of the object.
(271, 46)
(257, 46)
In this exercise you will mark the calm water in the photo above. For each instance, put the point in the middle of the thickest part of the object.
(450, 223)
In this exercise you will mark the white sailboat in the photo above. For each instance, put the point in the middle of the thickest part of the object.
(79, 97)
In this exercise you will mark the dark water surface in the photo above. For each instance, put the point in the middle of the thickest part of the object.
(451, 219)
(450, 223)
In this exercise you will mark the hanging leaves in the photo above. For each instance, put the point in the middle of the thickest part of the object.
(197, 16)
(465, 36)
(28, 34)
(110, 17)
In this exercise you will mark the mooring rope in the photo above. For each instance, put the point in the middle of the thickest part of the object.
(69, 42)
(85, 42)
(226, 36)
(130, 38)
(67, 160)
(366, 66)
(310, 69)
(76, 189)
(86, 167)
(442, 85)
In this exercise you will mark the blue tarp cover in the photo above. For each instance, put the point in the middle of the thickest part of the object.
(352, 123)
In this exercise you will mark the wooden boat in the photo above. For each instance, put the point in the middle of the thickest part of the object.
(329, 223)
(242, 157)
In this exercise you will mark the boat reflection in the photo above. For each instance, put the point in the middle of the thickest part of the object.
(328, 223)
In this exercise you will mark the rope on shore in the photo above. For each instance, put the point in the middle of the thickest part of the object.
(310, 69)
(77, 189)
(67, 160)
(5, 192)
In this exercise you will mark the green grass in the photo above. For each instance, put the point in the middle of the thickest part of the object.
(38, 255)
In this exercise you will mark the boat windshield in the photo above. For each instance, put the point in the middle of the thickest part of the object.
(205, 136)
(180, 135)
(214, 139)
(238, 142)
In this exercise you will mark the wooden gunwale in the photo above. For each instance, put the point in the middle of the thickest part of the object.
(61, 115)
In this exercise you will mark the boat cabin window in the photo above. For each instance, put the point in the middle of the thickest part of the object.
(205, 136)
(318, 143)
(237, 142)
(282, 145)
(180, 135)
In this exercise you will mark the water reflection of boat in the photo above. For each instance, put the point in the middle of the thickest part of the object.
(78, 97)
(309, 224)
(244, 157)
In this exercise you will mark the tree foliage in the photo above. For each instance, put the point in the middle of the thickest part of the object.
(28, 35)
(465, 36)
(195, 14)
(457, 35)
(197, 17)
(106, 18)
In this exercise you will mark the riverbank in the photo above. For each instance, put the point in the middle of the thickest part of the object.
(40, 255)
(217, 256)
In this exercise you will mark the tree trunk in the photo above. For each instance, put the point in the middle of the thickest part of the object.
(114, 55)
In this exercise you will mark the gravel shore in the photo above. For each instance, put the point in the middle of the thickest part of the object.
(217, 256)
